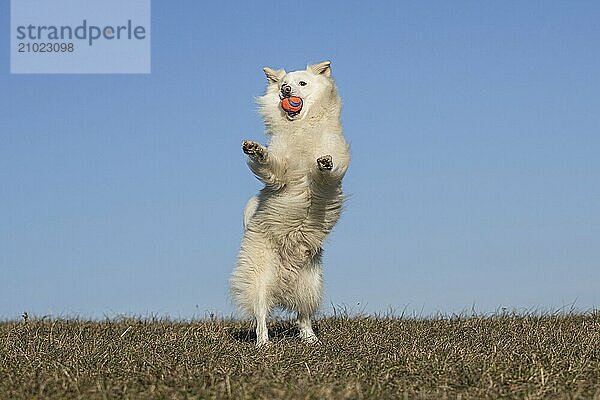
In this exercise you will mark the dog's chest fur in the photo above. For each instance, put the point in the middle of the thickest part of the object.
(297, 215)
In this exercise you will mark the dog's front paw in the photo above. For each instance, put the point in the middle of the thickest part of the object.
(253, 149)
(325, 163)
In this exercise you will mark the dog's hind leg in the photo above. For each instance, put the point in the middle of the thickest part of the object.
(262, 333)
(306, 332)
(251, 290)
(262, 303)
(253, 279)
(309, 292)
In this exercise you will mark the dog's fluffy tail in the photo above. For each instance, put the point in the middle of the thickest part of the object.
(249, 210)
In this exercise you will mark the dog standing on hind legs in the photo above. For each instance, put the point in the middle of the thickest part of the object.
(302, 167)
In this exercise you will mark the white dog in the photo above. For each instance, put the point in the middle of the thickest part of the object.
(284, 227)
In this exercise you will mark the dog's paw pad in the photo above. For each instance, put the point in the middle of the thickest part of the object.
(252, 148)
(325, 163)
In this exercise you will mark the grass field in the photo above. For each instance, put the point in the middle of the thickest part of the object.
(506, 356)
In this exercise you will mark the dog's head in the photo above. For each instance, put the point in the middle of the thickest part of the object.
(299, 95)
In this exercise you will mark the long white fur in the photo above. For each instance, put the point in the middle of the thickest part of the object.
(279, 263)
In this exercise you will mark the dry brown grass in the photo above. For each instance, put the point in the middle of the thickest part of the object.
(506, 356)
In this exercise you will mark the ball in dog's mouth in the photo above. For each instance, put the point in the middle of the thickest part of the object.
(291, 105)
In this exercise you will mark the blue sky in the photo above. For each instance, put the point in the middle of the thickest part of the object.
(475, 180)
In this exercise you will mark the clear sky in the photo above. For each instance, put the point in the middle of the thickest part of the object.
(474, 184)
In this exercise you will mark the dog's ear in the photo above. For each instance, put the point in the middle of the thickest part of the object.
(322, 68)
(274, 76)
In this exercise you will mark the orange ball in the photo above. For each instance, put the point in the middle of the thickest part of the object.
(291, 104)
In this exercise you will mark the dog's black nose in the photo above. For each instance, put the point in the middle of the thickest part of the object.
(286, 90)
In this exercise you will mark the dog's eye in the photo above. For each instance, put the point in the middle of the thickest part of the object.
(302, 83)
